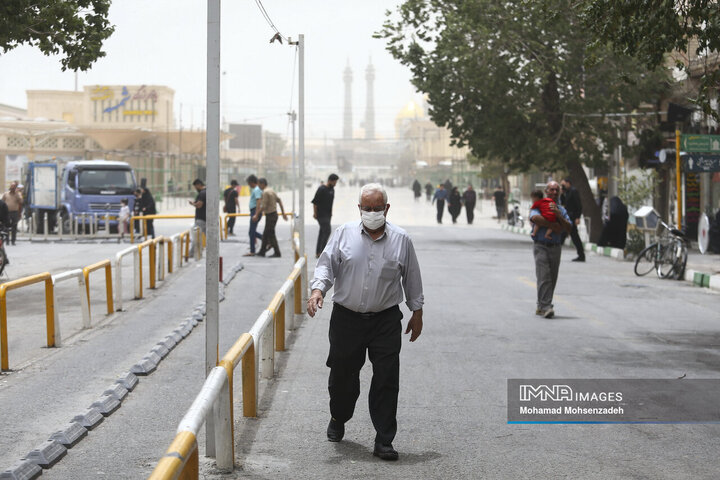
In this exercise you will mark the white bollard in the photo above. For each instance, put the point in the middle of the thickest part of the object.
(223, 423)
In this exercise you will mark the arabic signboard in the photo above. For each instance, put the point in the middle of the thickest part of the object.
(700, 143)
(698, 163)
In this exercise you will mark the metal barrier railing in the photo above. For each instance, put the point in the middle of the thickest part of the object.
(216, 395)
(156, 249)
(145, 218)
(49, 311)
(108, 283)
(84, 303)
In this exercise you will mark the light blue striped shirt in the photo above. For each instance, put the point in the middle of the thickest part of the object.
(255, 195)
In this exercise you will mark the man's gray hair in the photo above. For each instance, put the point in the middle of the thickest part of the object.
(372, 188)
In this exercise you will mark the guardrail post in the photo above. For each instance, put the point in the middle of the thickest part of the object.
(249, 388)
(280, 328)
(161, 259)
(118, 283)
(222, 415)
(170, 250)
(151, 257)
(45, 226)
(267, 360)
(138, 273)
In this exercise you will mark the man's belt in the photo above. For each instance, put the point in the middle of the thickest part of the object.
(365, 315)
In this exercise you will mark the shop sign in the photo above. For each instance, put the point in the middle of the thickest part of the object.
(101, 93)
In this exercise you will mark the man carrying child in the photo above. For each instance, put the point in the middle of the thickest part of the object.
(547, 241)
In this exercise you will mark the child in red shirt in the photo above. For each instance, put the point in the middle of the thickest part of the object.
(545, 206)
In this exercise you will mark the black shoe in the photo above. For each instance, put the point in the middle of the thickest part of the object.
(578, 259)
(276, 254)
(260, 254)
(335, 430)
(386, 452)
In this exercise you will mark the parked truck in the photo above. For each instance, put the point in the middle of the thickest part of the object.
(85, 192)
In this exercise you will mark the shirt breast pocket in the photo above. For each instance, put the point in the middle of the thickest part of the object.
(390, 270)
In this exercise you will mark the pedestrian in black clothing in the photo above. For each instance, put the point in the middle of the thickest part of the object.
(322, 211)
(429, 189)
(499, 198)
(614, 232)
(417, 189)
(570, 199)
(230, 196)
(469, 199)
(147, 207)
(454, 204)
(440, 195)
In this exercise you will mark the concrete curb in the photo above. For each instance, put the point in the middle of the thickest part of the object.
(699, 279)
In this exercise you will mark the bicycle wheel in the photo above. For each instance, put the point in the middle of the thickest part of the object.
(645, 262)
(666, 261)
(680, 260)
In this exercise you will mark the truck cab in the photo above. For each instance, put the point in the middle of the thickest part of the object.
(93, 189)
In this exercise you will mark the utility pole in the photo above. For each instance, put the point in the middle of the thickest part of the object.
(301, 133)
(293, 117)
(212, 300)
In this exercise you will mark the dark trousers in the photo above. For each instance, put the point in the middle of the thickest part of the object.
(268, 237)
(253, 230)
(470, 212)
(14, 219)
(231, 222)
(323, 234)
(440, 210)
(575, 237)
(351, 335)
(150, 228)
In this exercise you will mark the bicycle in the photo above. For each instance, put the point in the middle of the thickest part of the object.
(667, 256)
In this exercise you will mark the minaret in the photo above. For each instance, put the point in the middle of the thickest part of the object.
(370, 102)
(347, 117)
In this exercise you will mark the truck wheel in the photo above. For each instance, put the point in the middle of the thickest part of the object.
(65, 222)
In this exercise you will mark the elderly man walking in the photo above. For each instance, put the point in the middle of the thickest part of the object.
(547, 251)
(370, 262)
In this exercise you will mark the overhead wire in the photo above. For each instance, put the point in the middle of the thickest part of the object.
(269, 20)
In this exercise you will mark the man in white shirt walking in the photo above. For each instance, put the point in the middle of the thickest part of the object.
(370, 262)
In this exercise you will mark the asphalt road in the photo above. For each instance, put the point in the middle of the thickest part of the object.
(480, 330)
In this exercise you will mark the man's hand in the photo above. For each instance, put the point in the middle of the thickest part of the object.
(285, 217)
(577, 221)
(255, 217)
(415, 325)
(316, 301)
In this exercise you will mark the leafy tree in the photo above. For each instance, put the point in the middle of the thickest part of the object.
(75, 27)
(648, 30)
(510, 81)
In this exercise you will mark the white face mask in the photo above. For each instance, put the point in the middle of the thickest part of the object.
(372, 220)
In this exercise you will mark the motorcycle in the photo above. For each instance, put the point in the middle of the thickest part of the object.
(515, 218)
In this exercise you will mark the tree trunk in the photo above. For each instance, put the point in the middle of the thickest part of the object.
(591, 209)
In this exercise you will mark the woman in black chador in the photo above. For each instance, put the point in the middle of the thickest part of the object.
(454, 204)
(614, 233)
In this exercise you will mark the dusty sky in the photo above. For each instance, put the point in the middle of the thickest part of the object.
(163, 42)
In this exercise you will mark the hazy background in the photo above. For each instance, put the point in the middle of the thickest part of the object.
(163, 42)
